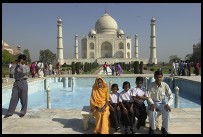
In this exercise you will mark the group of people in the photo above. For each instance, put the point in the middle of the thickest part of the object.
(114, 69)
(41, 69)
(183, 68)
(113, 109)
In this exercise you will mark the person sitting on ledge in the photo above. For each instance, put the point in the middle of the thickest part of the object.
(157, 91)
(99, 106)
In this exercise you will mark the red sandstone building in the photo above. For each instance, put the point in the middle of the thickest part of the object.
(10, 49)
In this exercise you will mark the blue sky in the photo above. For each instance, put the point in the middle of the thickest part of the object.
(34, 26)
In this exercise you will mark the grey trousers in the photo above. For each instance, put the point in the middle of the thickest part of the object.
(153, 116)
(19, 91)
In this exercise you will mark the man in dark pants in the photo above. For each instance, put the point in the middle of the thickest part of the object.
(20, 87)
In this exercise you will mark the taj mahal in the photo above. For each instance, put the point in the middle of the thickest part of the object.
(106, 43)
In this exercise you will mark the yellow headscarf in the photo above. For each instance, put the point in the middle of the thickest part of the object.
(99, 96)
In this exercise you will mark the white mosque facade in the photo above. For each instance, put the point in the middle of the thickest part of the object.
(106, 43)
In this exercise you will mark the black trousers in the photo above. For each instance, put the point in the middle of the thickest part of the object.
(140, 113)
(129, 118)
(115, 116)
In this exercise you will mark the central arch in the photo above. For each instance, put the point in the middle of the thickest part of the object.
(106, 50)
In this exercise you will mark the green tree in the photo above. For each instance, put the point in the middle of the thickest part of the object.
(47, 56)
(27, 54)
(173, 57)
(188, 56)
(197, 55)
(7, 57)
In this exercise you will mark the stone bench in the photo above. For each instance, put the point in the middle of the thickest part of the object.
(87, 115)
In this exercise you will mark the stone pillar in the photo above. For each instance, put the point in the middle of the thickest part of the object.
(65, 82)
(60, 43)
(110, 84)
(76, 46)
(153, 58)
(48, 98)
(136, 46)
(176, 97)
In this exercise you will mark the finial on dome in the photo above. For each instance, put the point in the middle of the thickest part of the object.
(60, 19)
(106, 10)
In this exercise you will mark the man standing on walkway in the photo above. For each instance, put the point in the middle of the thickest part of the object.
(173, 68)
(20, 87)
(157, 91)
(105, 68)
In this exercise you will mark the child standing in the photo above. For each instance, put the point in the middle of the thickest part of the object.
(115, 113)
(112, 69)
(139, 95)
(126, 102)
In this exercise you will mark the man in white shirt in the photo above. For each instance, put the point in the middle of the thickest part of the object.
(157, 91)
(176, 67)
(50, 68)
(173, 70)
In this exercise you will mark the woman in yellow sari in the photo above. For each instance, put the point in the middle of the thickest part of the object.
(99, 106)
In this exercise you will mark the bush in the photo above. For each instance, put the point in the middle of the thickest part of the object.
(85, 67)
(145, 68)
(151, 69)
(150, 65)
(169, 71)
(136, 67)
(73, 67)
(141, 67)
(64, 65)
(77, 67)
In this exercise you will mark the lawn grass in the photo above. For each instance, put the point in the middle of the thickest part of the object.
(92, 71)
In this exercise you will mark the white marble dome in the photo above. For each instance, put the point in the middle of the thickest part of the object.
(92, 32)
(121, 32)
(106, 25)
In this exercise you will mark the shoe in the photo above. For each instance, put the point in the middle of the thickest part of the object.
(6, 116)
(151, 131)
(164, 131)
(138, 126)
(21, 115)
(126, 131)
(132, 130)
(117, 128)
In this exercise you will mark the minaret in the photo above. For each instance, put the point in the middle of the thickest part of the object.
(153, 58)
(76, 46)
(60, 43)
(136, 46)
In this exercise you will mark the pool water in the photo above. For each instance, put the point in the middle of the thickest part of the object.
(65, 98)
